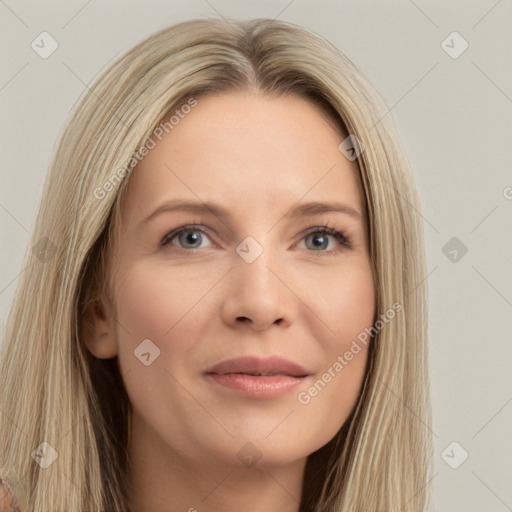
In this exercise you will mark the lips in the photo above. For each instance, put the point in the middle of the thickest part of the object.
(259, 367)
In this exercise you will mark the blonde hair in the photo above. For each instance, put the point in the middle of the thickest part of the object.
(53, 390)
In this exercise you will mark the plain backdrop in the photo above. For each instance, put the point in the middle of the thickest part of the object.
(453, 108)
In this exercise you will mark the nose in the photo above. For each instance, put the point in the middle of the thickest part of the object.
(257, 296)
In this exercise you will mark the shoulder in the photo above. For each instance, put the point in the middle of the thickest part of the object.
(7, 499)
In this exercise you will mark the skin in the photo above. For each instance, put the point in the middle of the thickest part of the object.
(257, 157)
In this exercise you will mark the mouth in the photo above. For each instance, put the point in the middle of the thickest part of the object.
(259, 367)
(269, 374)
(257, 378)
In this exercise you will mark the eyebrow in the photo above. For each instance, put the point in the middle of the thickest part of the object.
(301, 210)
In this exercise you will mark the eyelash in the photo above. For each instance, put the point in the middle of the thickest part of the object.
(340, 236)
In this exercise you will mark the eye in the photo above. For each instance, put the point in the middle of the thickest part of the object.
(320, 235)
(191, 237)
(188, 237)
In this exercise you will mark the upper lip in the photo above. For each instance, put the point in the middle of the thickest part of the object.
(251, 365)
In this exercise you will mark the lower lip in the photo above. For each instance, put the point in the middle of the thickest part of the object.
(258, 387)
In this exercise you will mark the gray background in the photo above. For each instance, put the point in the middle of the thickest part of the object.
(455, 117)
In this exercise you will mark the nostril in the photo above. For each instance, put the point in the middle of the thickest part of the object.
(246, 319)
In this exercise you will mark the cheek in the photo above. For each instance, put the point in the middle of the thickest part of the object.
(347, 307)
(156, 302)
(344, 304)
(351, 316)
(155, 314)
(165, 305)
(148, 307)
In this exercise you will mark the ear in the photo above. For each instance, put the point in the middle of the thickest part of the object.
(99, 334)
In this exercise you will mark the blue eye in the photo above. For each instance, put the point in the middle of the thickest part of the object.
(190, 236)
(321, 238)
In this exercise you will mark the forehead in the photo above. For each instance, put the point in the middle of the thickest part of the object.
(250, 151)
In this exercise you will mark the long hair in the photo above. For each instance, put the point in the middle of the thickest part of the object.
(54, 391)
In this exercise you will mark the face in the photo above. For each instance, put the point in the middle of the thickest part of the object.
(234, 322)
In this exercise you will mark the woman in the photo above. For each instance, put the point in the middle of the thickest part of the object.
(251, 371)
